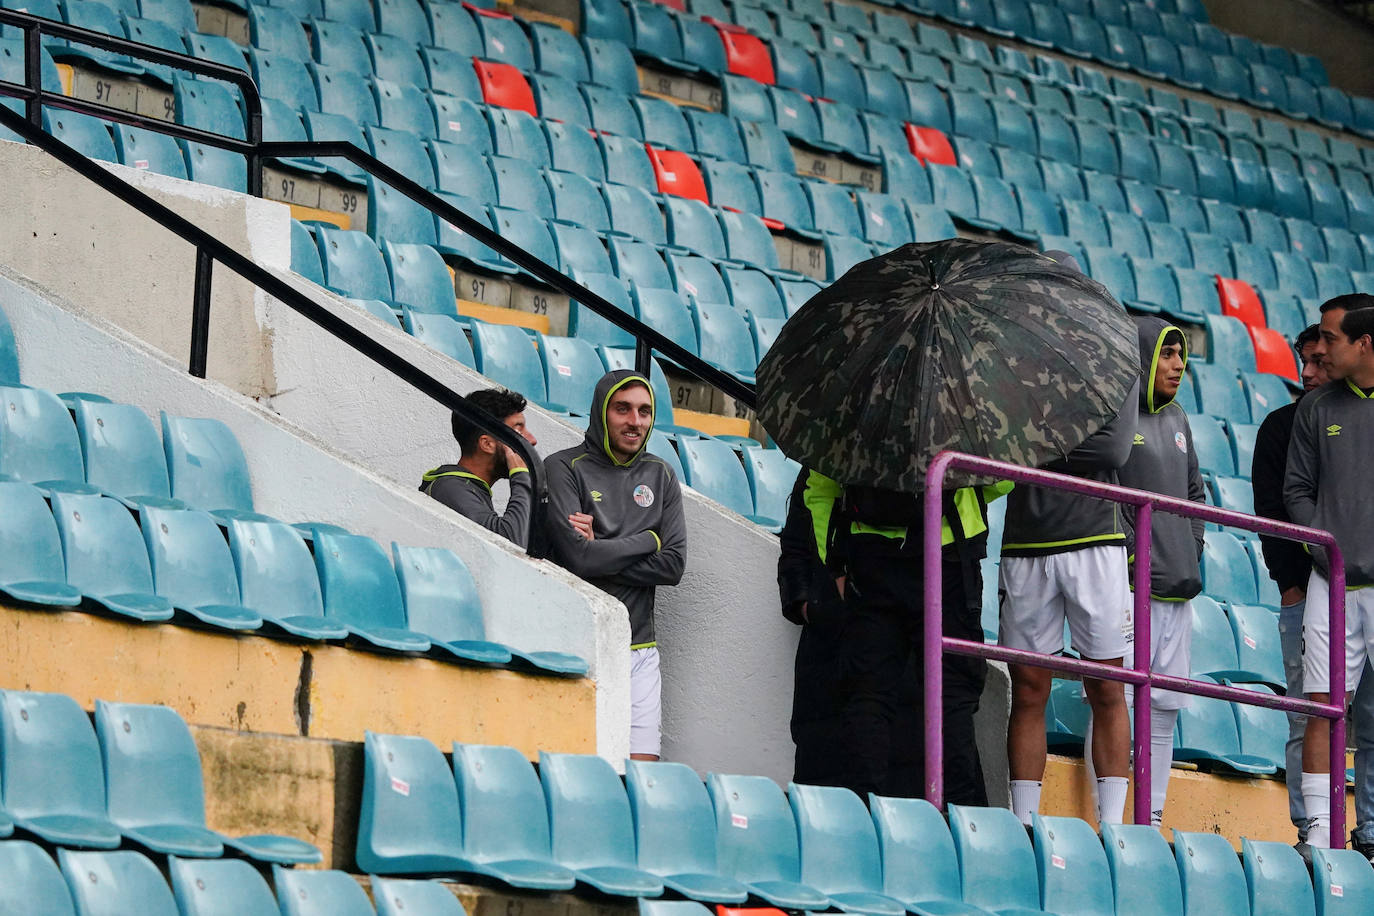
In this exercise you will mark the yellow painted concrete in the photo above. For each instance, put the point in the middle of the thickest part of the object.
(714, 424)
(304, 213)
(250, 684)
(1233, 806)
(496, 314)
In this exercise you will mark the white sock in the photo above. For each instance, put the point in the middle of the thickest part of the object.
(1111, 799)
(1317, 799)
(1161, 759)
(1025, 798)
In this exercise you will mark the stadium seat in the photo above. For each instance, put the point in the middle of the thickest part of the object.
(748, 241)
(50, 770)
(359, 589)
(30, 882)
(504, 86)
(206, 465)
(591, 827)
(1207, 733)
(38, 443)
(1263, 732)
(1211, 446)
(1277, 879)
(1266, 392)
(1073, 870)
(675, 831)
(610, 112)
(193, 570)
(105, 557)
(839, 849)
(419, 279)
(771, 475)
(996, 862)
(1343, 883)
(155, 793)
(1214, 648)
(713, 469)
(115, 882)
(344, 92)
(1156, 287)
(919, 864)
(765, 857)
(31, 564)
(723, 337)
(439, 332)
(277, 578)
(1227, 572)
(1258, 654)
(1144, 875)
(320, 893)
(148, 151)
(398, 897)
(219, 886)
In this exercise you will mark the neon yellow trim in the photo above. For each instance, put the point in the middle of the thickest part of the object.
(432, 476)
(605, 427)
(644, 645)
(514, 471)
(1154, 366)
(1088, 540)
(656, 540)
(1356, 388)
(819, 497)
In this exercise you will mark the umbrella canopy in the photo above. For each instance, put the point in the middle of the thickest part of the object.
(982, 347)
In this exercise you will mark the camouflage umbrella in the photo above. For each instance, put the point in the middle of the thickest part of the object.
(982, 347)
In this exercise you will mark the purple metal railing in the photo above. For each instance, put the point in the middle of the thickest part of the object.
(936, 643)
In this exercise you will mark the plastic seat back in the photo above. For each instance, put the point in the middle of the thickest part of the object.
(220, 887)
(206, 464)
(357, 581)
(410, 819)
(30, 547)
(30, 882)
(276, 574)
(919, 862)
(320, 893)
(504, 812)
(396, 897)
(713, 469)
(770, 474)
(996, 863)
(191, 563)
(571, 370)
(589, 814)
(506, 355)
(103, 547)
(1211, 874)
(1226, 570)
(113, 883)
(51, 760)
(441, 597)
(675, 829)
(1277, 879)
(1344, 883)
(1220, 392)
(122, 449)
(37, 439)
(1074, 875)
(1144, 877)
(768, 849)
(1262, 732)
(152, 767)
(1214, 648)
(839, 845)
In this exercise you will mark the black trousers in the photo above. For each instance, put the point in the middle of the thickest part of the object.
(883, 682)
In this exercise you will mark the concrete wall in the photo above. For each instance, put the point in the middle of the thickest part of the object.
(1340, 40)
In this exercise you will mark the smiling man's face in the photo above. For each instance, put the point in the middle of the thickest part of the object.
(629, 417)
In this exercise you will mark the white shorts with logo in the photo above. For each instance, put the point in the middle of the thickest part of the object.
(1316, 635)
(646, 706)
(1171, 649)
(1088, 588)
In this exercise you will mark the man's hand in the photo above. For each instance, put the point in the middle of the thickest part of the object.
(1292, 596)
(582, 524)
(513, 459)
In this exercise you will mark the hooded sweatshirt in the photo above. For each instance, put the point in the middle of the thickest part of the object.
(469, 495)
(1163, 461)
(636, 507)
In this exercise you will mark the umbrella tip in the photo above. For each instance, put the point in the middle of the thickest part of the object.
(1063, 257)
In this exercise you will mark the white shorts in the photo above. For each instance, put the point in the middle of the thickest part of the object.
(1316, 636)
(1087, 587)
(1171, 649)
(646, 706)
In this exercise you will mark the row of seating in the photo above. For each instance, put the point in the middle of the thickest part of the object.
(573, 826)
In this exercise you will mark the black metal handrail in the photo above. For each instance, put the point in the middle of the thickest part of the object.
(647, 339)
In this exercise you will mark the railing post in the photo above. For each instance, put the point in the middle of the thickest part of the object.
(1142, 809)
(933, 647)
(1335, 563)
(643, 354)
(200, 313)
(33, 73)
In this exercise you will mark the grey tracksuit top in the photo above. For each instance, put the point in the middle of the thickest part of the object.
(1163, 461)
(469, 495)
(641, 538)
(1327, 483)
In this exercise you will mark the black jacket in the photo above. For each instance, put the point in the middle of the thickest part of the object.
(1289, 564)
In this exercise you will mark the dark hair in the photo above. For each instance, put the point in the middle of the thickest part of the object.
(1310, 335)
(1357, 323)
(499, 402)
(1174, 337)
(1350, 302)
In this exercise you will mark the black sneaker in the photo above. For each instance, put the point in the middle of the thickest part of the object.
(1363, 847)
(1305, 851)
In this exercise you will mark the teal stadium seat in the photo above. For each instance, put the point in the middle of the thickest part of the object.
(557, 52)
(765, 856)
(571, 369)
(1214, 648)
(1207, 734)
(1343, 882)
(38, 443)
(1210, 874)
(713, 469)
(1257, 643)
(442, 601)
(453, 28)
(1066, 716)
(155, 793)
(148, 151)
(839, 849)
(586, 325)
(506, 355)
(1262, 732)
(397, 897)
(919, 862)
(996, 862)
(31, 564)
(206, 464)
(591, 827)
(1212, 447)
(1277, 879)
(50, 771)
(771, 474)
(421, 831)
(193, 570)
(1227, 573)
(1145, 878)
(675, 831)
(111, 883)
(9, 354)
(320, 893)
(419, 278)
(360, 591)
(577, 202)
(723, 337)
(1234, 493)
(219, 887)
(305, 257)
(31, 883)
(277, 579)
(105, 557)
(1074, 875)
(1219, 392)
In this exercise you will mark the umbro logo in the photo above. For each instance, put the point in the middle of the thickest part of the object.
(1139, 439)
(596, 496)
(1333, 430)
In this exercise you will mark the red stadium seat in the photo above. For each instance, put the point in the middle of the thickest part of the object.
(745, 54)
(679, 5)
(1273, 354)
(929, 144)
(1239, 300)
(677, 174)
(504, 86)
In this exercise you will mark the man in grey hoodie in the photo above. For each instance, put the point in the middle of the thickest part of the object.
(1163, 461)
(636, 538)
